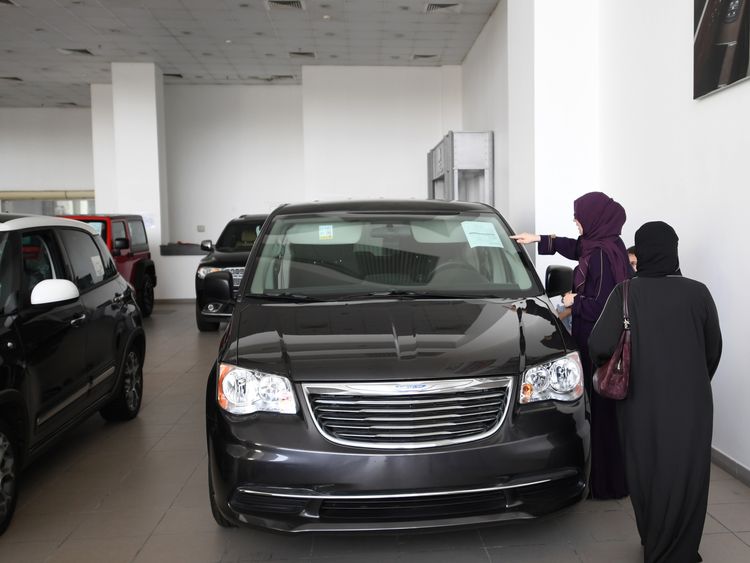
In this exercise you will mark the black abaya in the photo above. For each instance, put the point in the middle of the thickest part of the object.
(666, 420)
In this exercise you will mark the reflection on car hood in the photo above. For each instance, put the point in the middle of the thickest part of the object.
(392, 339)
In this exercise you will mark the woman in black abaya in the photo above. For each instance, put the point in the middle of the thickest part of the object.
(667, 418)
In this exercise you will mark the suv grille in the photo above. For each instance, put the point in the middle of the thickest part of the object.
(237, 274)
(409, 414)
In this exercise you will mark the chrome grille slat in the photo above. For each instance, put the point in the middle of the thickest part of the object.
(328, 418)
(398, 402)
(409, 415)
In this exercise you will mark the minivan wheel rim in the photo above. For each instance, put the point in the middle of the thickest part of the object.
(7, 476)
(133, 382)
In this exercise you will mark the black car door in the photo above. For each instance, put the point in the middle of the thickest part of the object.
(53, 337)
(101, 295)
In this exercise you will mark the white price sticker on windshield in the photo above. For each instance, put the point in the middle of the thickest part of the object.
(480, 233)
(96, 261)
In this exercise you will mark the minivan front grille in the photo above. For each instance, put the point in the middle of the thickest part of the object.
(409, 414)
(237, 274)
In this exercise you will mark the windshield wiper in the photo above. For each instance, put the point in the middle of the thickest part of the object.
(408, 294)
(292, 297)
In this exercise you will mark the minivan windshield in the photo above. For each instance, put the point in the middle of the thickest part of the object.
(350, 255)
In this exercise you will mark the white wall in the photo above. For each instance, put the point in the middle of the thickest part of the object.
(367, 130)
(668, 157)
(230, 150)
(45, 149)
(485, 94)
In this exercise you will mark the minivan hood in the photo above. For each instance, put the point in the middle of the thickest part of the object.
(394, 339)
(225, 259)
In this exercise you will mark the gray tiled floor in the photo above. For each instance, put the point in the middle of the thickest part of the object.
(136, 492)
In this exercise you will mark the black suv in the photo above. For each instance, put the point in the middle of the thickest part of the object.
(71, 340)
(393, 365)
(230, 255)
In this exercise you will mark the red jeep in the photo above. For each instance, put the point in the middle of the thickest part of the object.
(126, 239)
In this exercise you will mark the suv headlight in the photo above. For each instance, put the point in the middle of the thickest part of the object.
(203, 271)
(559, 380)
(245, 391)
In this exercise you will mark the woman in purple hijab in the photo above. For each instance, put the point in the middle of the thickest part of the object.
(602, 264)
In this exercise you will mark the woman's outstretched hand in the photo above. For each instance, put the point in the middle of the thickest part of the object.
(526, 238)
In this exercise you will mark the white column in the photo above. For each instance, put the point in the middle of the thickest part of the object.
(139, 147)
(103, 137)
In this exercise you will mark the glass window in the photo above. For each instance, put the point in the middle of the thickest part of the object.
(118, 230)
(109, 264)
(339, 254)
(138, 240)
(40, 259)
(7, 270)
(238, 237)
(85, 258)
(99, 226)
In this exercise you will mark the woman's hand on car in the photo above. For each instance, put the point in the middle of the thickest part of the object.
(568, 299)
(526, 238)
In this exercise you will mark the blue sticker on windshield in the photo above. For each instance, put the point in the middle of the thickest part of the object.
(480, 233)
(325, 232)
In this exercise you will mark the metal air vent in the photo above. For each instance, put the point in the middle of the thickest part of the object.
(173, 75)
(8, 3)
(11, 78)
(282, 77)
(285, 4)
(442, 8)
(302, 55)
(417, 57)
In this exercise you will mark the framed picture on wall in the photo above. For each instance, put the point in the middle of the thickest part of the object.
(721, 52)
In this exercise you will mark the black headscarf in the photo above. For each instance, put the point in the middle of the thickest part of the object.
(656, 248)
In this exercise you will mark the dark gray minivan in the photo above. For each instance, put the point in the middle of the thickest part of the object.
(393, 365)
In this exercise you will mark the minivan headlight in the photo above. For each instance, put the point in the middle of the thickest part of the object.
(245, 391)
(203, 271)
(560, 380)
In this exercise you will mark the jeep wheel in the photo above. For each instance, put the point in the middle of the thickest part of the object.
(145, 296)
(8, 476)
(127, 400)
(203, 324)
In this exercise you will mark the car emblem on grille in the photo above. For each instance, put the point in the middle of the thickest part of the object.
(406, 387)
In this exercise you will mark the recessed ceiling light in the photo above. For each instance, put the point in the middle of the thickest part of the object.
(326, 17)
(227, 41)
(40, 29)
(244, 5)
(114, 30)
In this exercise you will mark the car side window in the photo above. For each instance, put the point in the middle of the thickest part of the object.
(138, 240)
(85, 258)
(110, 269)
(40, 258)
(118, 230)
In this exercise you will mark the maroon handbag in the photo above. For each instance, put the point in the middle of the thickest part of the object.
(611, 379)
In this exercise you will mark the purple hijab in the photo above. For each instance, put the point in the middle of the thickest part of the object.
(602, 219)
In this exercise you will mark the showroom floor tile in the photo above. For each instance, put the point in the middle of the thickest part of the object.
(137, 492)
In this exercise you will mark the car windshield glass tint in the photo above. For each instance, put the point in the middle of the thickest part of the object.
(6, 271)
(100, 227)
(238, 237)
(415, 256)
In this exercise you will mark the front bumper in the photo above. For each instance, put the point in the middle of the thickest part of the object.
(278, 472)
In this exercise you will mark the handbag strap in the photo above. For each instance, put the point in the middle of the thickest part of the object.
(625, 312)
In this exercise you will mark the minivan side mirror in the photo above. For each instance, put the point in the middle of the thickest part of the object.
(207, 245)
(53, 291)
(558, 280)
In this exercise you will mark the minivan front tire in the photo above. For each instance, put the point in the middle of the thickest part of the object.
(8, 475)
(127, 400)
